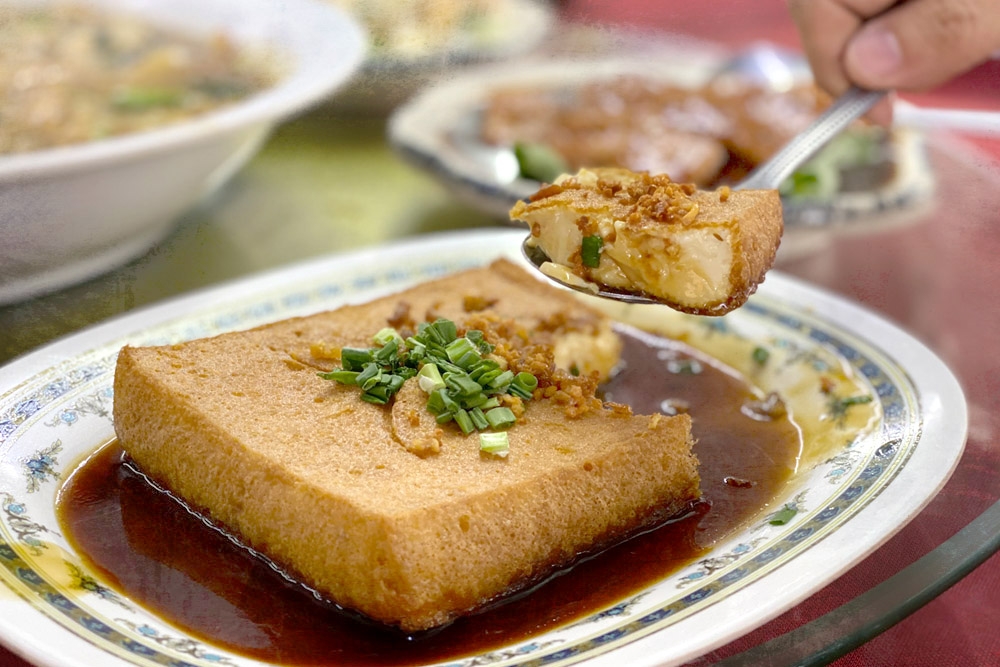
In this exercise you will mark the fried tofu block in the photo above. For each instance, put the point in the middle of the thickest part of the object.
(355, 501)
(696, 251)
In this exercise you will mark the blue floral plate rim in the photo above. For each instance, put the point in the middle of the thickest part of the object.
(55, 408)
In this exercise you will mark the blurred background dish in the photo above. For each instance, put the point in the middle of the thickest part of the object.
(414, 43)
(119, 115)
(491, 135)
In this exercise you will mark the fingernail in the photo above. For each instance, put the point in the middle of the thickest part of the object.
(876, 51)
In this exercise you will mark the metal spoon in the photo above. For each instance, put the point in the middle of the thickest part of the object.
(845, 110)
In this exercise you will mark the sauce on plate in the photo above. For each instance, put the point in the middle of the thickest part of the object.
(147, 544)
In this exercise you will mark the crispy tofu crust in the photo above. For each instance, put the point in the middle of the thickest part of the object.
(334, 489)
(696, 251)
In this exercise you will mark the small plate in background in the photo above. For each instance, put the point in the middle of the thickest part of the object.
(440, 131)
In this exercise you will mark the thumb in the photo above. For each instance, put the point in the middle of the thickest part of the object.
(922, 43)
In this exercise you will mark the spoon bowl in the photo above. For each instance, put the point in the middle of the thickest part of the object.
(536, 257)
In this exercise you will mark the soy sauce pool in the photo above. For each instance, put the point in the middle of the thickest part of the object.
(149, 546)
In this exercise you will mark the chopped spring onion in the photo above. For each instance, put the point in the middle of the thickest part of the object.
(590, 251)
(496, 444)
(459, 348)
(500, 418)
(385, 335)
(447, 329)
(502, 381)
(378, 394)
(523, 385)
(477, 401)
(489, 376)
(388, 354)
(460, 384)
(343, 377)
(393, 383)
(439, 403)
(479, 419)
(468, 360)
(784, 515)
(483, 367)
(353, 359)
(464, 421)
(440, 332)
(476, 337)
(417, 348)
(430, 378)
(369, 377)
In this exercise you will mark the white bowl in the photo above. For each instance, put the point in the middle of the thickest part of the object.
(70, 213)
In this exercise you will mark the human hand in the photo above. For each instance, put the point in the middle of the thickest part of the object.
(894, 44)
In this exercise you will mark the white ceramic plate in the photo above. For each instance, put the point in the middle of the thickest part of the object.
(440, 131)
(851, 494)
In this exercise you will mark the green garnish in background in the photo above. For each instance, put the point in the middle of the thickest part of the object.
(539, 162)
(840, 404)
(137, 98)
(820, 177)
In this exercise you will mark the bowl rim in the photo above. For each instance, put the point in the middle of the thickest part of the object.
(298, 33)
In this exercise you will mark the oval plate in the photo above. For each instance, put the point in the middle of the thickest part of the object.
(851, 492)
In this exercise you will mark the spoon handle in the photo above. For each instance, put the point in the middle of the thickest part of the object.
(845, 110)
